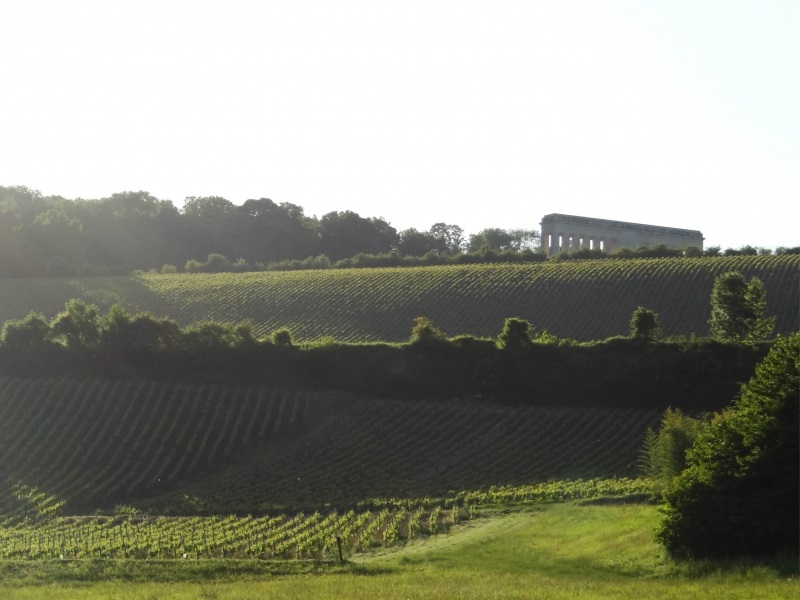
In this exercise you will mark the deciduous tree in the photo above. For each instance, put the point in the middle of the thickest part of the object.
(26, 336)
(345, 234)
(738, 309)
(419, 243)
(451, 236)
(78, 324)
(500, 240)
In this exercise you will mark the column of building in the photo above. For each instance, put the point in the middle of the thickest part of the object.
(555, 241)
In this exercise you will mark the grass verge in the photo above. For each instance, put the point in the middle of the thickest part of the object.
(555, 551)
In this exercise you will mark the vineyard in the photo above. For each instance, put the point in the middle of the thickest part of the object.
(236, 468)
(73, 447)
(300, 536)
(581, 300)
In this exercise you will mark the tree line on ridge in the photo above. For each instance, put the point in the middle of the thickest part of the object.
(128, 231)
(52, 235)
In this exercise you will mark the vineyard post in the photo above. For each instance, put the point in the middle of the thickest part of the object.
(339, 545)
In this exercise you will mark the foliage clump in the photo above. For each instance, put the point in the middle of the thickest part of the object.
(282, 337)
(738, 310)
(425, 332)
(644, 324)
(663, 455)
(27, 336)
(516, 335)
(738, 495)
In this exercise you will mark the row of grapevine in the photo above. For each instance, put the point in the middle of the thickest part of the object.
(300, 536)
(402, 449)
(226, 449)
(91, 444)
(283, 537)
(581, 300)
(476, 299)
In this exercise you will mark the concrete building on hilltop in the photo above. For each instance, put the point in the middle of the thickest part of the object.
(567, 233)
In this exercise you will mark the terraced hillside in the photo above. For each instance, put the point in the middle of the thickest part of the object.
(75, 446)
(582, 300)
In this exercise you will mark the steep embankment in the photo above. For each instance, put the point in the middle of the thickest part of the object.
(581, 300)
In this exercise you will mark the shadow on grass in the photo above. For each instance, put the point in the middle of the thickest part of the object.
(618, 500)
(362, 569)
(45, 572)
(784, 566)
(421, 559)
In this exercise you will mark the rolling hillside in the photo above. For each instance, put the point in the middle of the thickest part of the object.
(581, 300)
(76, 446)
(180, 446)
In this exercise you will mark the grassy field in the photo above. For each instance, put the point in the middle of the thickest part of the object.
(581, 300)
(566, 550)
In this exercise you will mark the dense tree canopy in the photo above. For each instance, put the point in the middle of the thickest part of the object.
(135, 230)
(419, 243)
(450, 236)
(738, 495)
(345, 234)
(501, 240)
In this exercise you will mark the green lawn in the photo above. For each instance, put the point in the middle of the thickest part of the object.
(552, 551)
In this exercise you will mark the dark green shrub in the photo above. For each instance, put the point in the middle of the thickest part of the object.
(644, 324)
(738, 495)
(515, 334)
(282, 337)
(424, 332)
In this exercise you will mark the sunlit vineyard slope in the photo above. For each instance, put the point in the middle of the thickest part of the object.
(582, 300)
(75, 446)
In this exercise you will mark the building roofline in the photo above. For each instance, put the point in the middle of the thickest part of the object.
(555, 218)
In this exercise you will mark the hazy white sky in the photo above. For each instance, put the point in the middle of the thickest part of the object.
(476, 113)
